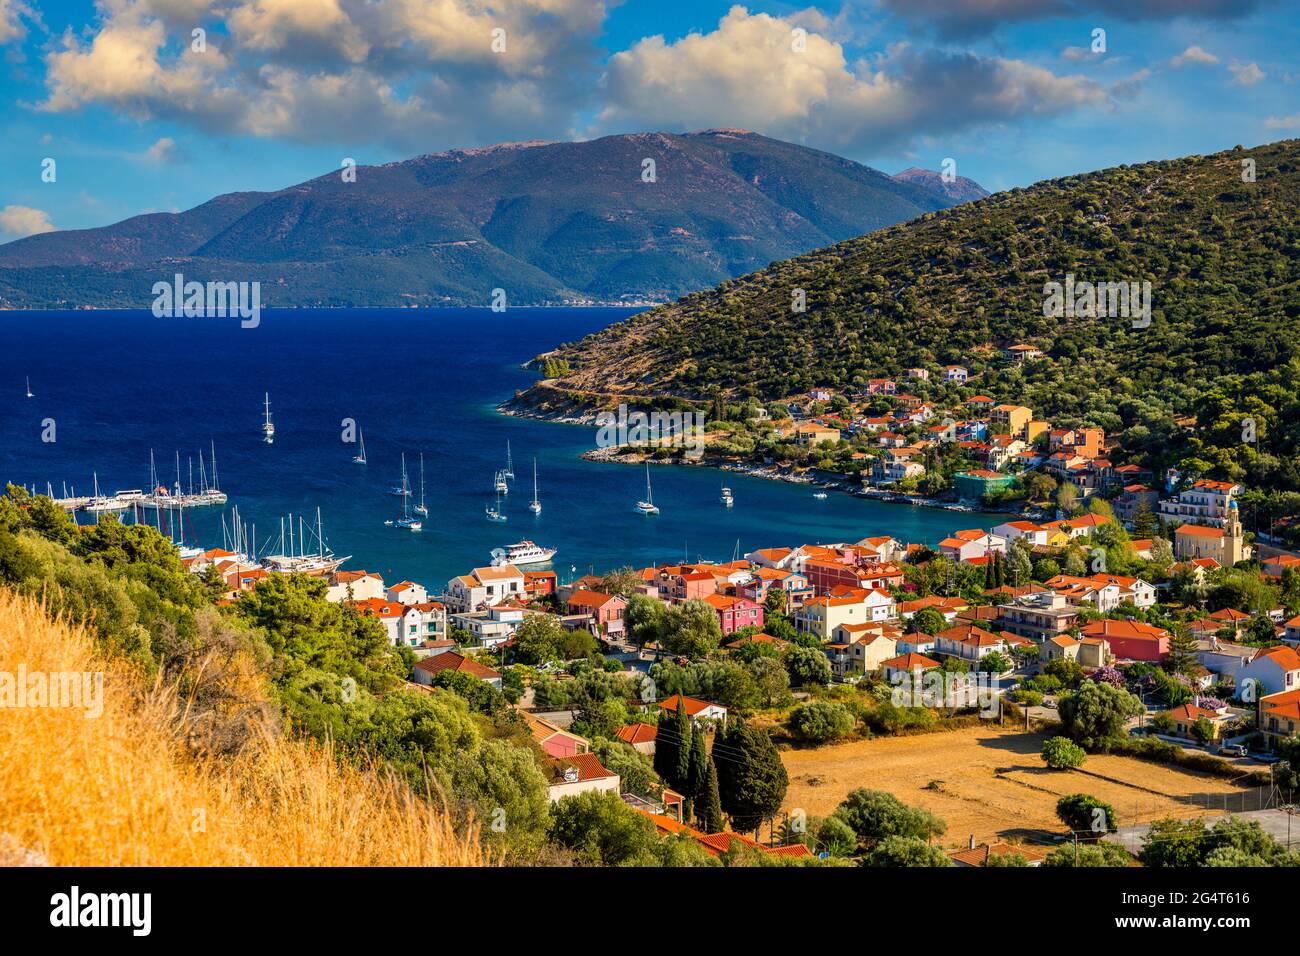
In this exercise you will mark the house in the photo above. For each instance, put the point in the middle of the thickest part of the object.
(975, 484)
(1225, 544)
(1015, 530)
(554, 740)
(1131, 640)
(1278, 565)
(979, 855)
(426, 669)
(735, 612)
(639, 736)
(695, 709)
(822, 615)
(354, 586)
(777, 558)
(1291, 631)
(811, 433)
(579, 773)
(955, 373)
(1095, 652)
(1186, 716)
(407, 592)
(971, 544)
(949, 607)
(409, 625)
(968, 642)
(1141, 594)
(916, 643)
(605, 610)
(1204, 503)
(677, 584)
(1022, 353)
(1060, 647)
(1272, 670)
(1010, 420)
(483, 587)
(860, 648)
(491, 626)
(896, 670)
(1038, 616)
(1279, 714)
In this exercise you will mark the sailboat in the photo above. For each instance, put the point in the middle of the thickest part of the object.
(360, 457)
(406, 521)
(495, 514)
(420, 509)
(727, 498)
(268, 427)
(499, 484)
(29, 387)
(647, 507)
(510, 465)
(402, 490)
(535, 506)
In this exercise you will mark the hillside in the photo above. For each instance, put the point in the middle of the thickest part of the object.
(960, 189)
(544, 221)
(1222, 255)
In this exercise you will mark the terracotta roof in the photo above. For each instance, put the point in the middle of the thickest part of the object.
(978, 856)
(691, 705)
(451, 661)
(588, 766)
(638, 733)
(908, 662)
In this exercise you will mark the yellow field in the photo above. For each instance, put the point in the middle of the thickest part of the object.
(990, 782)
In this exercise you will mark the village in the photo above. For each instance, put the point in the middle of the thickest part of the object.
(813, 643)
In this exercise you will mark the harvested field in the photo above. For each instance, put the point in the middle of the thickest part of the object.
(990, 782)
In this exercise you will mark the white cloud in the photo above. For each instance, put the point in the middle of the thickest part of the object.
(11, 24)
(1245, 74)
(164, 151)
(1283, 122)
(1193, 56)
(19, 221)
(745, 73)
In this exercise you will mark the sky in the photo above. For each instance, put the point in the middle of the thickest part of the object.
(120, 107)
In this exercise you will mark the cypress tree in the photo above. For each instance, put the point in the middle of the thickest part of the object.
(682, 731)
(695, 776)
(1000, 570)
(989, 581)
(708, 806)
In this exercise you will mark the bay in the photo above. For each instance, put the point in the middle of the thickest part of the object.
(116, 384)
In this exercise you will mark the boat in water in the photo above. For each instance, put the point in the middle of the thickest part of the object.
(727, 498)
(294, 558)
(268, 426)
(499, 483)
(819, 494)
(535, 506)
(29, 388)
(406, 520)
(495, 514)
(648, 506)
(421, 508)
(509, 471)
(521, 554)
(360, 456)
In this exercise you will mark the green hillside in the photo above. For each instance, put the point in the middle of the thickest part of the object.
(954, 287)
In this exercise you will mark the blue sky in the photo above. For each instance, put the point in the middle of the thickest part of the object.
(137, 119)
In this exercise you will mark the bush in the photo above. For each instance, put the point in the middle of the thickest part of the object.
(1086, 814)
(1061, 753)
(820, 721)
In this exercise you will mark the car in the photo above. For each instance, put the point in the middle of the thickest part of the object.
(1233, 750)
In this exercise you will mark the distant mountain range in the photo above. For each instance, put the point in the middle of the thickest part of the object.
(546, 222)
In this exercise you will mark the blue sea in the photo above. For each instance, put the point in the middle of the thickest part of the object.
(117, 384)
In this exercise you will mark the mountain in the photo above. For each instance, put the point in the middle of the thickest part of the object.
(960, 189)
(953, 287)
(544, 221)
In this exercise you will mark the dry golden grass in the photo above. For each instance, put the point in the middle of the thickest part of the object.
(989, 781)
(122, 789)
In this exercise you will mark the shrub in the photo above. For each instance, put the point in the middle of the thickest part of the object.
(1061, 753)
(820, 721)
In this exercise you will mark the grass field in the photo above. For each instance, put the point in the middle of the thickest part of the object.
(989, 782)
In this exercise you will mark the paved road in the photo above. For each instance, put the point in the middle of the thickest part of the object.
(1278, 823)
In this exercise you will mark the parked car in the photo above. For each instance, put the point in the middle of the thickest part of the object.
(1233, 750)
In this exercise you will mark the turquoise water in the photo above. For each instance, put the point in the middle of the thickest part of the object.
(116, 384)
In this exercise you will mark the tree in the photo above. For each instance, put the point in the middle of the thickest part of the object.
(1089, 855)
(899, 851)
(691, 629)
(538, 638)
(1086, 815)
(621, 582)
(695, 773)
(602, 830)
(1182, 651)
(644, 619)
(775, 602)
(1067, 497)
(708, 804)
(1061, 753)
(1094, 716)
(995, 662)
(672, 745)
(507, 792)
(1066, 670)
(1203, 731)
(771, 677)
(875, 815)
(807, 666)
(751, 778)
(926, 621)
(1173, 842)
(820, 721)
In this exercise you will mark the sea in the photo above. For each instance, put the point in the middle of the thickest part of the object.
(109, 387)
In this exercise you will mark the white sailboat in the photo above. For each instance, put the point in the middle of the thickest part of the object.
(268, 427)
(647, 507)
(495, 514)
(727, 498)
(29, 387)
(420, 509)
(535, 506)
(406, 521)
(499, 484)
(360, 457)
(510, 464)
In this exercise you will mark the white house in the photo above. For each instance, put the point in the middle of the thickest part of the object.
(407, 592)
(1272, 670)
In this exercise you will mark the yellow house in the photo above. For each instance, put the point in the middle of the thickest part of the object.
(811, 433)
(1011, 419)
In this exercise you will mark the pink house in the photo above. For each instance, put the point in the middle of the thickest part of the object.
(1131, 640)
(736, 612)
(605, 609)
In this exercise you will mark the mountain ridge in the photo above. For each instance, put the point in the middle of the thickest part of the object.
(546, 221)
